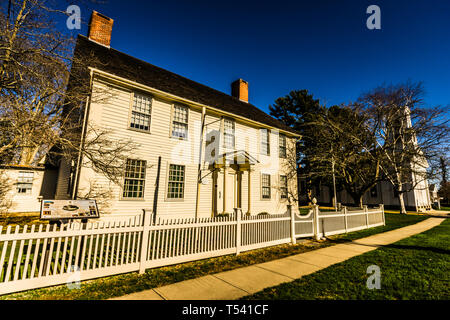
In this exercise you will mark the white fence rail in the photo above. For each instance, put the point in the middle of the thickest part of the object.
(45, 255)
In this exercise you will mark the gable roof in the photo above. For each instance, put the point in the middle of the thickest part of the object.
(122, 65)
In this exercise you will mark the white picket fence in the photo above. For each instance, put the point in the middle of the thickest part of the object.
(45, 255)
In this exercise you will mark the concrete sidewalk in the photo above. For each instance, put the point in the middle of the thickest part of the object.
(240, 282)
(438, 213)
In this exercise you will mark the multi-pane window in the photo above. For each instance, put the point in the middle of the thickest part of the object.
(265, 186)
(228, 133)
(25, 182)
(141, 112)
(180, 122)
(265, 142)
(134, 179)
(282, 145)
(175, 187)
(283, 187)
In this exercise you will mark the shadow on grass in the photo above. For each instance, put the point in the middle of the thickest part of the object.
(420, 248)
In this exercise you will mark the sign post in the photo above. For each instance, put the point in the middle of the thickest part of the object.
(59, 211)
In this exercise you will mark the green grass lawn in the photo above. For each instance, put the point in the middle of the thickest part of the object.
(118, 285)
(413, 268)
(445, 208)
(393, 221)
(20, 220)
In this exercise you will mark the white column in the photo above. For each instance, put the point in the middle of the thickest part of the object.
(224, 193)
(249, 192)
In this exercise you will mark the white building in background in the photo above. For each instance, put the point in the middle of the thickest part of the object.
(416, 199)
(29, 184)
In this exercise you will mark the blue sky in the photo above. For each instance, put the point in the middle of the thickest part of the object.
(322, 45)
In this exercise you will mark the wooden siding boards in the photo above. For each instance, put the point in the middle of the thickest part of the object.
(21, 202)
(113, 114)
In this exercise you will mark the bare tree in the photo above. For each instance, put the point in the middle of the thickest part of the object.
(45, 88)
(5, 187)
(444, 189)
(409, 136)
(344, 144)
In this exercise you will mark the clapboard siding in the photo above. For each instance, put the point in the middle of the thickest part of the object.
(20, 202)
(113, 114)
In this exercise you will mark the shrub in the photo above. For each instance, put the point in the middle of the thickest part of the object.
(223, 215)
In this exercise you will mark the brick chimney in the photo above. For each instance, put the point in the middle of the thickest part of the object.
(239, 89)
(100, 28)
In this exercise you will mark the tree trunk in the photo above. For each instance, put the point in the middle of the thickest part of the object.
(402, 202)
(357, 198)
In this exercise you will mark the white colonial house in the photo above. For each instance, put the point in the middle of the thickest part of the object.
(199, 152)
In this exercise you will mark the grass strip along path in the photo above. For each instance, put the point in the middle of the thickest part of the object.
(120, 285)
(413, 268)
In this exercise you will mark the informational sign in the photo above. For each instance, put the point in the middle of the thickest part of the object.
(69, 209)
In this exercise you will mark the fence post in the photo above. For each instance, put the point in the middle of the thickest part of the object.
(316, 219)
(145, 240)
(344, 209)
(366, 210)
(238, 230)
(292, 215)
(382, 213)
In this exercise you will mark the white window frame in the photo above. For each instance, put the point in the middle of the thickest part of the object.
(173, 121)
(26, 179)
(125, 178)
(264, 143)
(132, 110)
(283, 187)
(183, 183)
(282, 137)
(263, 186)
(224, 133)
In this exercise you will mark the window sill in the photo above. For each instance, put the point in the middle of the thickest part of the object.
(139, 130)
(174, 199)
(178, 139)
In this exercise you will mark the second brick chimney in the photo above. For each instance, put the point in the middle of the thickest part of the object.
(239, 89)
(100, 28)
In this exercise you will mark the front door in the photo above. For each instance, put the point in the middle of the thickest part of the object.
(230, 192)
